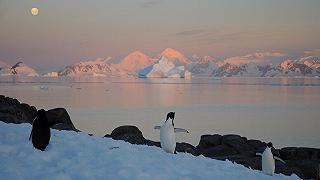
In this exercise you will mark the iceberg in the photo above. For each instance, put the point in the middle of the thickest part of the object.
(163, 68)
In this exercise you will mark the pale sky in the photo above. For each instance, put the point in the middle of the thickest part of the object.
(67, 31)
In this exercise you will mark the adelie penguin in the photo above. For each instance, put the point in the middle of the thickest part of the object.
(268, 160)
(40, 133)
(167, 133)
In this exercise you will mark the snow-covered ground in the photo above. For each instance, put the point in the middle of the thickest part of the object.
(72, 155)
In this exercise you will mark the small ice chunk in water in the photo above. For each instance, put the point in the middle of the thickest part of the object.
(45, 88)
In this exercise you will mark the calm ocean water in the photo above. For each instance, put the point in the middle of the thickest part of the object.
(285, 111)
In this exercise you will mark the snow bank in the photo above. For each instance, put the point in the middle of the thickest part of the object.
(72, 155)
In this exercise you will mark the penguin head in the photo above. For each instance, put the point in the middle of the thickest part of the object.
(41, 113)
(270, 145)
(170, 117)
(41, 119)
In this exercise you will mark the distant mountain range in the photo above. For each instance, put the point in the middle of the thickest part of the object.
(19, 69)
(172, 63)
(307, 66)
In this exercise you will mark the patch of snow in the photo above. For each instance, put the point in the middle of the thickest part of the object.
(72, 155)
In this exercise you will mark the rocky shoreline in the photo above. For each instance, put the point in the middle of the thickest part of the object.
(303, 161)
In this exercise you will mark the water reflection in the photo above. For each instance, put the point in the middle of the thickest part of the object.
(282, 110)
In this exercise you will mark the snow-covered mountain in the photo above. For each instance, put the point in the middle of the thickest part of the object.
(255, 58)
(102, 67)
(23, 70)
(227, 70)
(134, 61)
(294, 68)
(306, 66)
(4, 68)
(164, 68)
(203, 66)
(312, 62)
(4, 65)
(98, 67)
(175, 56)
(172, 63)
(19, 69)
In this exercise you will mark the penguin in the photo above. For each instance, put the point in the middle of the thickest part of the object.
(167, 134)
(268, 160)
(40, 133)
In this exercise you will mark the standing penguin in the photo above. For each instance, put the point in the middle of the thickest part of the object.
(167, 133)
(268, 160)
(40, 133)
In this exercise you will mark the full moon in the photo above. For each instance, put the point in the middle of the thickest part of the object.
(34, 11)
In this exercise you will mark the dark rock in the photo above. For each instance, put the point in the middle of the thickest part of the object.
(318, 173)
(59, 118)
(287, 169)
(220, 150)
(209, 141)
(256, 144)
(131, 138)
(133, 135)
(232, 138)
(288, 153)
(240, 147)
(153, 143)
(275, 152)
(123, 130)
(11, 111)
(308, 153)
(129, 134)
(184, 147)
(107, 136)
(301, 153)
(250, 162)
(303, 162)
(306, 169)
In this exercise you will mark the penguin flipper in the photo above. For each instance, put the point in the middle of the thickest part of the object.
(258, 154)
(30, 134)
(279, 159)
(180, 130)
(157, 127)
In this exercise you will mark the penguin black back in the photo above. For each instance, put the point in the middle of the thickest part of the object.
(40, 133)
(270, 145)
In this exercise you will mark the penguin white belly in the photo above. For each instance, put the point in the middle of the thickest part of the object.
(168, 139)
(268, 163)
